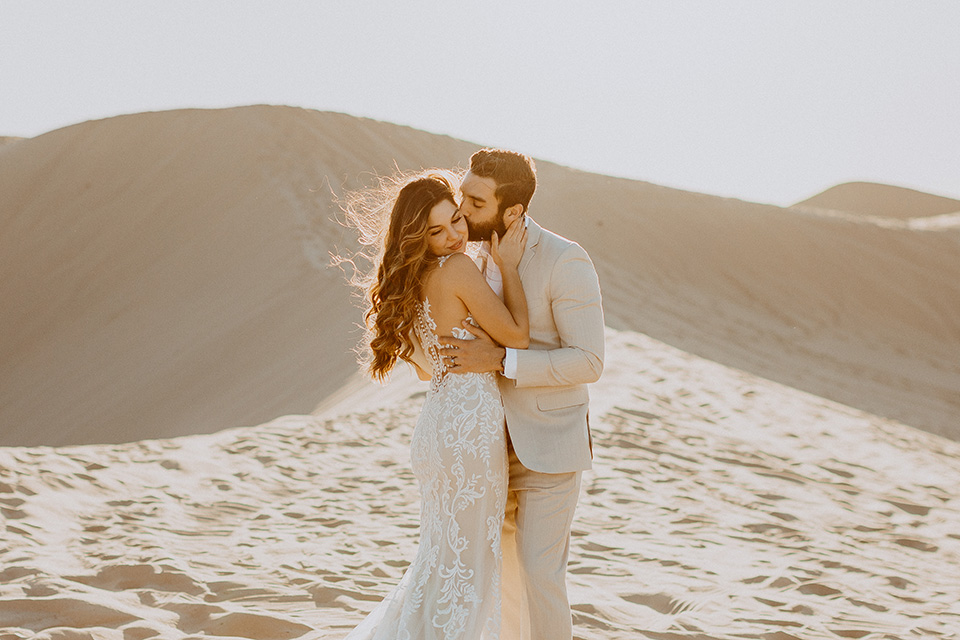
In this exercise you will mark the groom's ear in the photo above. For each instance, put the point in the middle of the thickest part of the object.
(512, 213)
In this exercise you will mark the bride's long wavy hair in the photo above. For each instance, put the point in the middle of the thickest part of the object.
(392, 221)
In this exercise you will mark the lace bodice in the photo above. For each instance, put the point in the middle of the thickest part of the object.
(426, 330)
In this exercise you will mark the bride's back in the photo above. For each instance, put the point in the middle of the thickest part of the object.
(444, 306)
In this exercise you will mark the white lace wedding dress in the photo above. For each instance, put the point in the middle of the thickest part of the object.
(458, 454)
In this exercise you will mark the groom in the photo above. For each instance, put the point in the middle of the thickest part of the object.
(544, 391)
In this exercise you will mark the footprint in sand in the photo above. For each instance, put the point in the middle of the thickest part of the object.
(211, 620)
(141, 576)
(77, 612)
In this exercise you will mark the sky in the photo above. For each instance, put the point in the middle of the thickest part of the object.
(763, 100)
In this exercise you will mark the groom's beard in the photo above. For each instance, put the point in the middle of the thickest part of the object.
(478, 231)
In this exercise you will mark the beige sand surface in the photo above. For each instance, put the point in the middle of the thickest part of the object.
(167, 274)
(721, 506)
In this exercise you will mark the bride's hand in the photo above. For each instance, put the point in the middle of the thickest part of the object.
(507, 251)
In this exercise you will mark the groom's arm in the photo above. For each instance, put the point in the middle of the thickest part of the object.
(472, 356)
(577, 312)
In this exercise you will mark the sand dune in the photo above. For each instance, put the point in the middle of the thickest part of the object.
(721, 506)
(166, 274)
(882, 201)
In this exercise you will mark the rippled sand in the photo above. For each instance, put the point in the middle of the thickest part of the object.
(720, 505)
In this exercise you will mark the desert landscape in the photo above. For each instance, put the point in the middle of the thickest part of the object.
(187, 449)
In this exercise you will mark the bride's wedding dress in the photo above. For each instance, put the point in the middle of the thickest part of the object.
(458, 454)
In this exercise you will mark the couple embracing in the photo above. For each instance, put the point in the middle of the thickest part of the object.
(509, 339)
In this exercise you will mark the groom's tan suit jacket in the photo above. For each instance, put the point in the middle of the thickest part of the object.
(546, 405)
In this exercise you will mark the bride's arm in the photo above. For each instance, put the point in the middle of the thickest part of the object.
(507, 253)
(508, 323)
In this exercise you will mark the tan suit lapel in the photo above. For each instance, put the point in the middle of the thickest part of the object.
(534, 231)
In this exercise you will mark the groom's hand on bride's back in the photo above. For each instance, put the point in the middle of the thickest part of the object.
(471, 356)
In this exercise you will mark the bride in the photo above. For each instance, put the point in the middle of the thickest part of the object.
(423, 285)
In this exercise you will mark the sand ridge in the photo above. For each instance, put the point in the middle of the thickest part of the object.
(882, 201)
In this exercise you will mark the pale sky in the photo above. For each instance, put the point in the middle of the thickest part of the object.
(763, 100)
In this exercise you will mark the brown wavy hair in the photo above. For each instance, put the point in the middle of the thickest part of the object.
(392, 221)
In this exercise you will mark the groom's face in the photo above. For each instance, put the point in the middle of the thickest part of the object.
(479, 205)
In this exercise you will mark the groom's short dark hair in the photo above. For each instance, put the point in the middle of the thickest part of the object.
(514, 173)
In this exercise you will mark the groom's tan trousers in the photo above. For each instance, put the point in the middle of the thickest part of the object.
(535, 545)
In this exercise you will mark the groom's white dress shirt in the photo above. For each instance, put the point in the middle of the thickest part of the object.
(495, 279)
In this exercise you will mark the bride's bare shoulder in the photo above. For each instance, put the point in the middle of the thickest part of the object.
(457, 263)
(459, 270)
